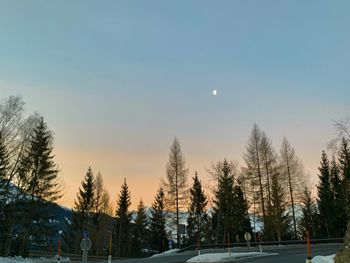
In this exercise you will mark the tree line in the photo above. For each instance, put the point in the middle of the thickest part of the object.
(269, 196)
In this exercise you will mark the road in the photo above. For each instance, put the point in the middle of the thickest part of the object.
(286, 254)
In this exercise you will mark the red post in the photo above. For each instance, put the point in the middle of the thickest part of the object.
(308, 247)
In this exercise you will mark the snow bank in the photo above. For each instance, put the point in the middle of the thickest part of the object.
(223, 257)
(31, 260)
(323, 259)
(165, 253)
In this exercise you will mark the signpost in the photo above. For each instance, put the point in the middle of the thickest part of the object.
(247, 238)
(85, 246)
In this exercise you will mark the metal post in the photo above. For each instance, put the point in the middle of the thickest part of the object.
(59, 251)
(308, 260)
(110, 247)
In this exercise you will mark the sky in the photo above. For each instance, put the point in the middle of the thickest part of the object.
(116, 81)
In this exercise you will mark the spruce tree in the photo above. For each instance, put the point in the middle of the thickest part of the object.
(157, 228)
(197, 216)
(344, 169)
(309, 219)
(123, 222)
(325, 195)
(42, 186)
(140, 229)
(339, 216)
(241, 211)
(224, 205)
(277, 208)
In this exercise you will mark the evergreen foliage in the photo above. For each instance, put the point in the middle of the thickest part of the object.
(123, 222)
(309, 221)
(197, 216)
(157, 228)
(41, 186)
(325, 195)
(140, 230)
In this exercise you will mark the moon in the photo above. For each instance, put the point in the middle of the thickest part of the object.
(214, 92)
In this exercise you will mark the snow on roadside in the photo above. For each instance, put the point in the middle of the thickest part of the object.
(223, 257)
(31, 260)
(323, 259)
(165, 253)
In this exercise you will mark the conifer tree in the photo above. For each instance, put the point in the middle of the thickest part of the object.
(292, 171)
(157, 227)
(42, 185)
(339, 216)
(277, 208)
(197, 216)
(140, 229)
(325, 195)
(175, 185)
(241, 211)
(123, 222)
(344, 169)
(309, 219)
(254, 172)
(85, 203)
(223, 205)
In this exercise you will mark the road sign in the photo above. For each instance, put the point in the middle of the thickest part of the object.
(85, 244)
(247, 236)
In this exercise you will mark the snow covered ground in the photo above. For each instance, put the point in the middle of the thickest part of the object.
(31, 260)
(323, 259)
(166, 253)
(225, 257)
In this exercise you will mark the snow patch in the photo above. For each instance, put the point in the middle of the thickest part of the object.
(225, 257)
(323, 259)
(166, 253)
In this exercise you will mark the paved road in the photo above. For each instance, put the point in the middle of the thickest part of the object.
(287, 254)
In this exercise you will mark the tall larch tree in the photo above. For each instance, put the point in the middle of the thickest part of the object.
(254, 172)
(175, 185)
(292, 172)
(123, 222)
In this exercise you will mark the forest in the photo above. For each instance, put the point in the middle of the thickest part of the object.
(269, 196)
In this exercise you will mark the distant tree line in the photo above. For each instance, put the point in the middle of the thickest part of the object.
(269, 196)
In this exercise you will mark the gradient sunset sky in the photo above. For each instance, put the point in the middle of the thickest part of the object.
(116, 81)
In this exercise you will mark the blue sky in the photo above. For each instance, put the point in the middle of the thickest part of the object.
(118, 80)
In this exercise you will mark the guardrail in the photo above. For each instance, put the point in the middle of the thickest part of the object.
(51, 256)
(263, 243)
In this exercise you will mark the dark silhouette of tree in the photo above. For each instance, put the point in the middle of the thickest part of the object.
(123, 222)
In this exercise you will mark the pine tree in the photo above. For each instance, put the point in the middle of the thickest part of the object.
(223, 204)
(85, 203)
(277, 208)
(309, 219)
(175, 185)
(123, 222)
(157, 227)
(42, 186)
(339, 216)
(241, 211)
(140, 229)
(344, 168)
(197, 216)
(325, 195)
